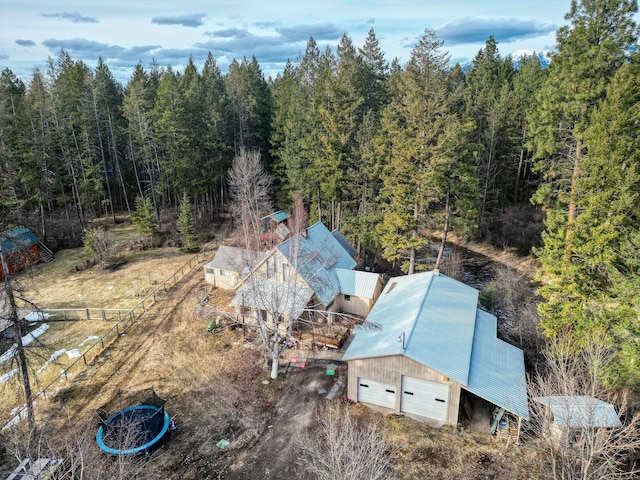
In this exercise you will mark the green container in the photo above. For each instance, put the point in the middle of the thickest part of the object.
(331, 372)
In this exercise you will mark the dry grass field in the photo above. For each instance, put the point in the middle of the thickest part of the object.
(215, 384)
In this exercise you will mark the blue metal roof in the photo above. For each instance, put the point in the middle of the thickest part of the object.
(357, 283)
(435, 320)
(16, 239)
(273, 296)
(581, 411)
(278, 216)
(433, 313)
(497, 368)
(315, 257)
(345, 243)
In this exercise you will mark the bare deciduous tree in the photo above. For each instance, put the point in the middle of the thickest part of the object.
(575, 444)
(341, 449)
(274, 302)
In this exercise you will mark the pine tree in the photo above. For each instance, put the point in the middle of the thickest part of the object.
(590, 51)
(600, 281)
(143, 217)
(186, 227)
(422, 145)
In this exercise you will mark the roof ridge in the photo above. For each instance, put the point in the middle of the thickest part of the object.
(415, 320)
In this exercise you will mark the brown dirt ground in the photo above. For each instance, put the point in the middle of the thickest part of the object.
(214, 384)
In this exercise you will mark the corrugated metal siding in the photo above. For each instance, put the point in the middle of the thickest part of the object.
(391, 369)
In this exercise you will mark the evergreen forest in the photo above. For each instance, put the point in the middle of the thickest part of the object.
(542, 159)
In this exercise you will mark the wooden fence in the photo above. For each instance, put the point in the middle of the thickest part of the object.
(125, 318)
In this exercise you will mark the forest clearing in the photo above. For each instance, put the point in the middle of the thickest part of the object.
(215, 385)
(461, 238)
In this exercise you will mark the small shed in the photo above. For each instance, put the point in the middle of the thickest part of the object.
(568, 415)
(428, 341)
(20, 247)
(358, 291)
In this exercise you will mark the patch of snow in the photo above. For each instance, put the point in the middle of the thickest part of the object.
(74, 353)
(88, 339)
(5, 378)
(54, 356)
(37, 316)
(30, 337)
(9, 354)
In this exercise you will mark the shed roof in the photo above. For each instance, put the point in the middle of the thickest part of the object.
(581, 411)
(357, 283)
(315, 257)
(277, 217)
(233, 259)
(434, 320)
(497, 368)
(273, 296)
(16, 239)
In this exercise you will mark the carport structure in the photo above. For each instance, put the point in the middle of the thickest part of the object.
(427, 341)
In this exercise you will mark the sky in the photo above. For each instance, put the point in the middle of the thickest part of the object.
(127, 32)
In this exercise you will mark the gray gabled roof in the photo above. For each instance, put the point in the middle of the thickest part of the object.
(315, 256)
(581, 411)
(435, 320)
(234, 259)
(358, 283)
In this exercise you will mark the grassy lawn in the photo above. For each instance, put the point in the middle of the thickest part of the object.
(59, 285)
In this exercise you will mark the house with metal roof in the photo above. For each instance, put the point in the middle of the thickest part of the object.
(316, 264)
(427, 343)
(20, 247)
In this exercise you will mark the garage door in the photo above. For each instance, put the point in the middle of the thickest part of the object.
(421, 397)
(376, 393)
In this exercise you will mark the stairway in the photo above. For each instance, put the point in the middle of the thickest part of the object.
(46, 255)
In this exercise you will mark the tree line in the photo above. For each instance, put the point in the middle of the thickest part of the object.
(502, 150)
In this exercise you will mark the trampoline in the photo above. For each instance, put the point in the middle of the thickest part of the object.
(134, 429)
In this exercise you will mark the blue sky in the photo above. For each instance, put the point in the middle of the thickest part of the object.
(125, 32)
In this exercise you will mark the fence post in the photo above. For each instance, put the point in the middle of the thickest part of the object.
(84, 359)
(88, 316)
(104, 316)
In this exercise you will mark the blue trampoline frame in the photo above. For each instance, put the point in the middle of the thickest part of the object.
(141, 448)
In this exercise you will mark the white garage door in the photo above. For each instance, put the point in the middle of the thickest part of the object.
(376, 393)
(421, 397)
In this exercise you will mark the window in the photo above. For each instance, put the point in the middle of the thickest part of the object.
(285, 272)
(270, 268)
(347, 298)
(224, 273)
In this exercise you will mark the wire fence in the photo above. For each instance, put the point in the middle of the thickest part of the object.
(124, 319)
